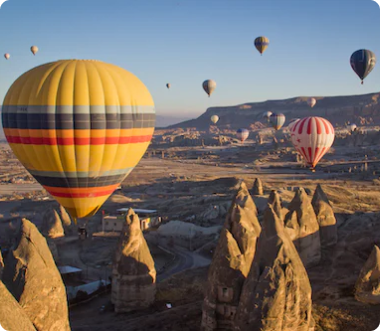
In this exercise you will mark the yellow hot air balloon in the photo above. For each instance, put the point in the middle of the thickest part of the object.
(261, 44)
(79, 127)
(34, 49)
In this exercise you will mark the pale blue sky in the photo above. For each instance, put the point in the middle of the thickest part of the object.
(184, 42)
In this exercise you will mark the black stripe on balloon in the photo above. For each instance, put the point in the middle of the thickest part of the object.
(77, 121)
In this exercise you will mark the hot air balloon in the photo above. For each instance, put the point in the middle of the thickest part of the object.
(209, 86)
(242, 134)
(34, 49)
(311, 102)
(267, 114)
(352, 127)
(214, 119)
(261, 44)
(79, 127)
(292, 122)
(362, 62)
(277, 120)
(312, 137)
(7, 55)
(168, 85)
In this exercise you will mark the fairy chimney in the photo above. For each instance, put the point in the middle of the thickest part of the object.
(133, 274)
(231, 263)
(276, 295)
(325, 217)
(275, 201)
(257, 188)
(31, 275)
(302, 220)
(368, 284)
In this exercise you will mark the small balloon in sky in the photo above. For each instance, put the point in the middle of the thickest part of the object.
(214, 119)
(261, 44)
(209, 86)
(311, 102)
(7, 55)
(362, 62)
(33, 49)
(1, 3)
(377, 1)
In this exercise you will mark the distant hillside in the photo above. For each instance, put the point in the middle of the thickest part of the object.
(163, 121)
(339, 109)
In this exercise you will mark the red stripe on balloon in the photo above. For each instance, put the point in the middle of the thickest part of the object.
(82, 195)
(319, 126)
(309, 125)
(301, 125)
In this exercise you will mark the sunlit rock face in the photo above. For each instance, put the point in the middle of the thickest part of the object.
(231, 263)
(367, 287)
(304, 228)
(325, 217)
(31, 275)
(12, 316)
(257, 188)
(276, 295)
(134, 274)
(52, 224)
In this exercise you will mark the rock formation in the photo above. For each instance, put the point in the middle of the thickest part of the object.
(133, 274)
(52, 225)
(12, 316)
(231, 263)
(307, 239)
(277, 294)
(31, 275)
(257, 188)
(275, 201)
(367, 287)
(325, 217)
(68, 224)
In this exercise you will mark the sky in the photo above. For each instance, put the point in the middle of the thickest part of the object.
(184, 42)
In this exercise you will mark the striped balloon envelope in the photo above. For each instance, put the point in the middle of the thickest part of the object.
(261, 44)
(242, 134)
(277, 120)
(292, 122)
(209, 86)
(312, 137)
(79, 127)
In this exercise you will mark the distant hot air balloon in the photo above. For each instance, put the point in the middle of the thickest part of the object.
(292, 122)
(168, 85)
(79, 127)
(34, 49)
(352, 127)
(267, 114)
(277, 120)
(7, 55)
(362, 62)
(214, 119)
(209, 86)
(261, 44)
(311, 102)
(242, 134)
(312, 137)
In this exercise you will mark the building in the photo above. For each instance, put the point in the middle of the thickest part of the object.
(114, 223)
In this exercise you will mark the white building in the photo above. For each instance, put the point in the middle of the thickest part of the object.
(148, 218)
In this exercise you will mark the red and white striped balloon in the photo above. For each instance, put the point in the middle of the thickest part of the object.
(312, 137)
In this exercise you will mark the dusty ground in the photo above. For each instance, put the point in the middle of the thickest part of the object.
(190, 180)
